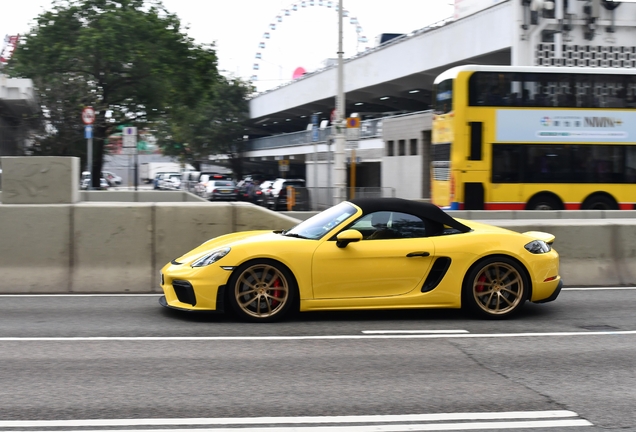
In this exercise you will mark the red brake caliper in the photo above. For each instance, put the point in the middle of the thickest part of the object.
(481, 281)
(276, 293)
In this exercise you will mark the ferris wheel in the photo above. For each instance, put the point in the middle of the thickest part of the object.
(285, 14)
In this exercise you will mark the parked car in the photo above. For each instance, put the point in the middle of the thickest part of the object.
(367, 254)
(171, 181)
(160, 178)
(244, 187)
(112, 178)
(217, 190)
(265, 191)
(205, 178)
(277, 197)
(86, 180)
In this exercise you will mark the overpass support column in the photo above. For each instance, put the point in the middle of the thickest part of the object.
(340, 170)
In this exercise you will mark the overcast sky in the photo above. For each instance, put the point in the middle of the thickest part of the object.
(304, 38)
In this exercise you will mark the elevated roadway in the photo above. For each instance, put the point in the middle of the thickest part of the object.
(392, 78)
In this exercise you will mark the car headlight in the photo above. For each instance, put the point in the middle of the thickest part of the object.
(538, 247)
(212, 257)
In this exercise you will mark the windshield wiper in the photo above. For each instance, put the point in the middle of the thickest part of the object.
(288, 234)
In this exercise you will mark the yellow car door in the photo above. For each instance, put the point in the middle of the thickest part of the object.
(370, 268)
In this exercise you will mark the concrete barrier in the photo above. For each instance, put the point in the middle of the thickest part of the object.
(594, 252)
(111, 247)
(35, 248)
(117, 241)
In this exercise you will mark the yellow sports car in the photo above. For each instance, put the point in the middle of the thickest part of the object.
(384, 253)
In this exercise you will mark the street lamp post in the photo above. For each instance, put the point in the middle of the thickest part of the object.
(340, 170)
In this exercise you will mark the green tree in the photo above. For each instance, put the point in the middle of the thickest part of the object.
(214, 126)
(129, 59)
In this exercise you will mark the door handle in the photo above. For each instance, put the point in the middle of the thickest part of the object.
(417, 254)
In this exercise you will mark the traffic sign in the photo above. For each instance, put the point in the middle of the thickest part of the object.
(283, 165)
(353, 122)
(129, 140)
(130, 130)
(88, 115)
(88, 131)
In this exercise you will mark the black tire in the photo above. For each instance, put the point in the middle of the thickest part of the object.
(544, 202)
(496, 288)
(262, 291)
(599, 202)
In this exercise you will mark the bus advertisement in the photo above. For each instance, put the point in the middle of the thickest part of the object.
(534, 138)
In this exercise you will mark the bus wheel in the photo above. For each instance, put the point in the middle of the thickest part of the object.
(599, 202)
(544, 202)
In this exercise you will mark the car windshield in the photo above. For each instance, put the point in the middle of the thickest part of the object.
(317, 226)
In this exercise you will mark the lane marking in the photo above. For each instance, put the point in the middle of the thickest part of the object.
(504, 415)
(599, 289)
(324, 337)
(414, 331)
(377, 428)
(79, 295)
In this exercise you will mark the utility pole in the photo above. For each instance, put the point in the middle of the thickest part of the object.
(340, 170)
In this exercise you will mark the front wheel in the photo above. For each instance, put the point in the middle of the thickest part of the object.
(544, 202)
(496, 288)
(262, 291)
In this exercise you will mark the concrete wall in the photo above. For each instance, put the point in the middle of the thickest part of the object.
(40, 180)
(111, 247)
(120, 247)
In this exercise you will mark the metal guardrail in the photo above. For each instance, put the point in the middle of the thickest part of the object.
(368, 129)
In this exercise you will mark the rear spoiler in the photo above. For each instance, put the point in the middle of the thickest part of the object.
(538, 235)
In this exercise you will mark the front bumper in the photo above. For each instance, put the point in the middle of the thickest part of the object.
(220, 306)
(194, 289)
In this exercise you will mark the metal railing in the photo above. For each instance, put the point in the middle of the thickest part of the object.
(368, 129)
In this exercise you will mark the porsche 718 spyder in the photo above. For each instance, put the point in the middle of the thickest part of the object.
(367, 254)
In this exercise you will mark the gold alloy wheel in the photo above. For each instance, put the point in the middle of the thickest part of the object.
(498, 288)
(261, 291)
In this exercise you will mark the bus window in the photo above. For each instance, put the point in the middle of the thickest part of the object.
(506, 163)
(443, 97)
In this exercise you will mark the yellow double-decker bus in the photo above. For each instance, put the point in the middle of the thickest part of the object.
(534, 138)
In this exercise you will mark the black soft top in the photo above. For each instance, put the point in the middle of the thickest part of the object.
(426, 211)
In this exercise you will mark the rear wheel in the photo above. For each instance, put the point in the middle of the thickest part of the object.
(496, 288)
(544, 202)
(599, 202)
(262, 291)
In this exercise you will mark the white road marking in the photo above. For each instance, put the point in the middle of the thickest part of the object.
(375, 428)
(599, 289)
(79, 295)
(414, 331)
(549, 418)
(324, 337)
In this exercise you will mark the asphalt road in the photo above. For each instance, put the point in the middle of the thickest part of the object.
(127, 362)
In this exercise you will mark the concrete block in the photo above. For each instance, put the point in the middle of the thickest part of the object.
(113, 250)
(40, 180)
(252, 217)
(625, 235)
(300, 215)
(180, 227)
(537, 214)
(35, 248)
(461, 214)
(490, 214)
(620, 214)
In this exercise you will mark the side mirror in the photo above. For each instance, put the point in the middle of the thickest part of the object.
(348, 236)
